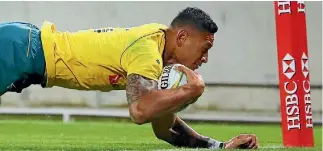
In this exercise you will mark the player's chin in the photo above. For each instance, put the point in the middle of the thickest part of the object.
(194, 67)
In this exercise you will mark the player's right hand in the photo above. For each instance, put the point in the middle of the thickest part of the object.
(193, 79)
(242, 141)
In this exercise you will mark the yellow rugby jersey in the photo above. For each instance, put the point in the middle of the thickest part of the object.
(101, 59)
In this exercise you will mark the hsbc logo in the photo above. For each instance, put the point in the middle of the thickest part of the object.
(290, 89)
(305, 65)
(289, 69)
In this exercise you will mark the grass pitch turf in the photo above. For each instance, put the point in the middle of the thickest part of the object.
(113, 135)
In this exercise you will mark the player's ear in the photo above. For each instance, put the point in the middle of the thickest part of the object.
(182, 35)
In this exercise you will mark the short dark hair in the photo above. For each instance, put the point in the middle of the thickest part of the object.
(197, 18)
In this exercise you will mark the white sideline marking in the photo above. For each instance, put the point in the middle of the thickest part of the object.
(272, 146)
(184, 149)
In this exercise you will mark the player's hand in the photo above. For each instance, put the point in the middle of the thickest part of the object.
(242, 141)
(194, 79)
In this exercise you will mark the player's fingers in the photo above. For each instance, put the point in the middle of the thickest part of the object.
(188, 72)
(184, 69)
(245, 140)
(252, 144)
(257, 143)
(193, 78)
(253, 141)
(241, 142)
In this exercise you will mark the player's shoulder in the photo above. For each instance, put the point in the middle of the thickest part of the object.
(148, 36)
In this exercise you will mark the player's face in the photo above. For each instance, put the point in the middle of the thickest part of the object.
(193, 47)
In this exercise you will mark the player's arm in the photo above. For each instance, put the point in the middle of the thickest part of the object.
(176, 132)
(142, 61)
(146, 102)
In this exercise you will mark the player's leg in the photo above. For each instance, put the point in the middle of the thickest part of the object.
(162, 125)
(22, 60)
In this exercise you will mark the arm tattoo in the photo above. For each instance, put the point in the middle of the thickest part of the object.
(137, 85)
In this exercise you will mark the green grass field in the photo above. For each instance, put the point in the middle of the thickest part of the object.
(113, 135)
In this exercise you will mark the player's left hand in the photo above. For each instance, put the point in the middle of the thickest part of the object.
(242, 141)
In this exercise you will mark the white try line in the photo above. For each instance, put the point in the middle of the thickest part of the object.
(273, 146)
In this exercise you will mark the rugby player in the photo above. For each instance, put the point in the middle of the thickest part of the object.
(128, 59)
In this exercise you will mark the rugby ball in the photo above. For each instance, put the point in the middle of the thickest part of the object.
(171, 77)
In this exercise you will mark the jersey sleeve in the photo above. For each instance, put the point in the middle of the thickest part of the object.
(143, 58)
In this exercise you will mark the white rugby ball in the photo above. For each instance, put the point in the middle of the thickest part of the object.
(171, 77)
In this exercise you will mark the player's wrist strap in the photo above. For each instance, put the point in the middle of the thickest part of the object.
(215, 144)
